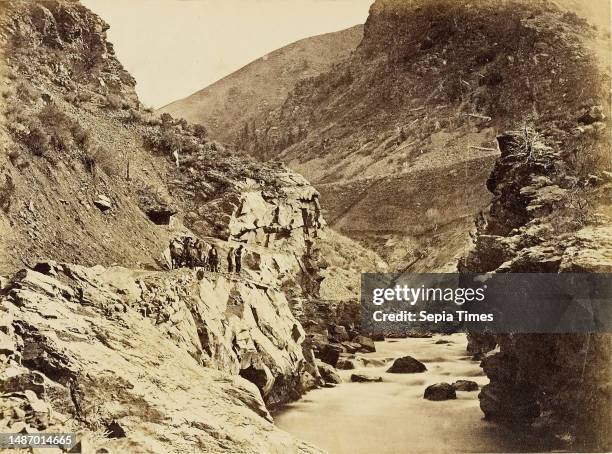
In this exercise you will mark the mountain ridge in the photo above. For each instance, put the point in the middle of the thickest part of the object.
(259, 87)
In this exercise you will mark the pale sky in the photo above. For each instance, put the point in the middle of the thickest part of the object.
(176, 47)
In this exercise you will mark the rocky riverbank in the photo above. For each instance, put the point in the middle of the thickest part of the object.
(393, 416)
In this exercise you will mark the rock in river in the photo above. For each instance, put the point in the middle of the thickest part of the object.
(328, 373)
(347, 364)
(360, 378)
(367, 344)
(440, 391)
(406, 365)
(465, 385)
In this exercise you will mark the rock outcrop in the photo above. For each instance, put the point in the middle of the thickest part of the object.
(399, 138)
(407, 365)
(550, 214)
(157, 355)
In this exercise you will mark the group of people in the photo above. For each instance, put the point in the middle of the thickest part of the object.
(194, 253)
(234, 260)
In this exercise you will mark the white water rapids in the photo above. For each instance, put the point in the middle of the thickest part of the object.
(392, 417)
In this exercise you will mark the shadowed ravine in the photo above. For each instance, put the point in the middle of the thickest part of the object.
(392, 417)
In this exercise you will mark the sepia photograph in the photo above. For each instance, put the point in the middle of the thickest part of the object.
(305, 226)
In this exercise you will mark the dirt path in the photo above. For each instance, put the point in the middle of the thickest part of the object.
(392, 417)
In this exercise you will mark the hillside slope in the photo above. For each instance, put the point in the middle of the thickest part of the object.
(251, 93)
(415, 111)
(100, 333)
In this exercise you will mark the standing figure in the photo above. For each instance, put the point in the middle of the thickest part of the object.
(186, 251)
(175, 254)
(238, 257)
(230, 261)
(202, 254)
(213, 259)
(193, 253)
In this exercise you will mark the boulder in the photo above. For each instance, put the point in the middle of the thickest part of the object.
(360, 378)
(103, 202)
(351, 347)
(465, 385)
(330, 353)
(317, 340)
(367, 344)
(328, 373)
(442, 342)
(440, 391)
(307, 382)
(406, 365)
(347, 364)
(338, 333)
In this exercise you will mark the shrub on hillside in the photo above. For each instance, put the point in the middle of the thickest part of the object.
(53, 130)
(113, 101)
(37, 140)
(7, 189)
(98, 157)
(200, 131)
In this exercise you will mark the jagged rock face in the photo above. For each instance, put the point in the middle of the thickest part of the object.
(78, 35)
(238, 326)
(400, 137)
(158, 355)
(284, 219)
(548, 215)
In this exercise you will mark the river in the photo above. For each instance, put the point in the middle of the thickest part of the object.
(392, 417)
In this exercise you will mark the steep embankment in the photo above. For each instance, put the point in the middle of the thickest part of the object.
(146, 362)
(412, 116)
(86, 165)
(551, 213)
(230, 106)
(140, 361)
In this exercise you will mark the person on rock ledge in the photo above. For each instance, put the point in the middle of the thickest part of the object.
(213, 259)
(230, 261)
(187, 259)
(238, 258)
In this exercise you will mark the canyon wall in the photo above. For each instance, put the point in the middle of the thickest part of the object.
(551, 213)
(399, 138)
(99, 334)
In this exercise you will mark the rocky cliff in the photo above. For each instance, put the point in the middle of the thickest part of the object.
(147, 362)
(99, 335)
(400, 137)
(550, 214)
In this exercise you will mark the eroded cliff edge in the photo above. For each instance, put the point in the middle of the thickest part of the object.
(551, 213)
(98, 335)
